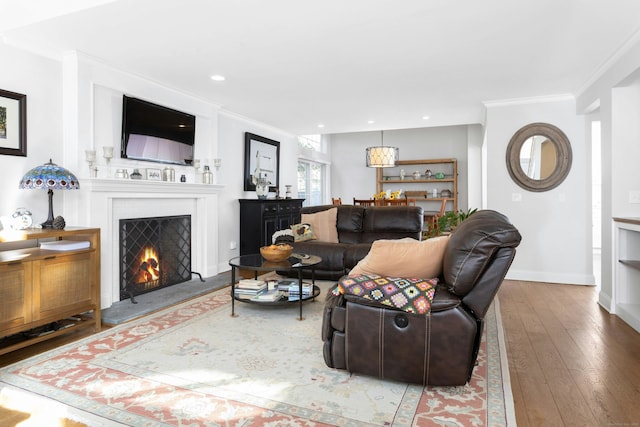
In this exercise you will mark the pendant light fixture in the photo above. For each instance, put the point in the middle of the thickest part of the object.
(382, 156)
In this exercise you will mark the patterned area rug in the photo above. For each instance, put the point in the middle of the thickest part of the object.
(195, 365)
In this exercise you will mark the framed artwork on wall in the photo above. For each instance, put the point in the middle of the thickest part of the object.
(13, 123)
(263, 154)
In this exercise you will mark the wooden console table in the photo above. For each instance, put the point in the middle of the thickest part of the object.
(46, 293)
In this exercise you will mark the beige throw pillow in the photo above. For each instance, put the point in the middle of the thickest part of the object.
(404, 258)
(323, 224)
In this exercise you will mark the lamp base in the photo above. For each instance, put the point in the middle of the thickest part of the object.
(49, 222)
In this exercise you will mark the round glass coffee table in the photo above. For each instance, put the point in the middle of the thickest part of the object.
(257, 264)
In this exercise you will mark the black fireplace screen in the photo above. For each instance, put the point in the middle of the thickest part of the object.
(154, 253)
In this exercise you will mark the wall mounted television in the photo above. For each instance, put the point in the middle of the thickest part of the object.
(155, 133)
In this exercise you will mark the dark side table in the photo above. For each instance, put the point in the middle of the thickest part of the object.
(257, 264)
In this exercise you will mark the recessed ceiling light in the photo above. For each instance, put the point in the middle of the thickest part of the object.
(425, 117)
(371, 122)
(217, 78)
(320, 125)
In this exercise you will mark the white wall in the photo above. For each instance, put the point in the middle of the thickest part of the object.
(351, 178)
(615, 93)
(231, 129)
(40, 79)
(556, 224)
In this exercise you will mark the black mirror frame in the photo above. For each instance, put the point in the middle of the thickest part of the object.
(563, 150)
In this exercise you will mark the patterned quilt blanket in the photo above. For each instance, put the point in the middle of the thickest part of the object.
(412, 295)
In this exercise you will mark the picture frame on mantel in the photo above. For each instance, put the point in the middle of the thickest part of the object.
(13, 123)
(263, 152)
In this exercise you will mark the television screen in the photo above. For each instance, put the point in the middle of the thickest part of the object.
(155, 133)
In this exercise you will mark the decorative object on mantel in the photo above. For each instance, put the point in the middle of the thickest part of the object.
(107, 153)
(136, 174)
(207, 175)
(169, 174)
(90, 157)
(122, 174)
(382, 156)
(154, 174)
(49, 176)
(217, 163)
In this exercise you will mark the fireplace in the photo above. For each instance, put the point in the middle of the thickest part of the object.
(154, 253)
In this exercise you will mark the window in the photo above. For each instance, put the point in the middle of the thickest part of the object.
(312, 170)
(311, 182)
(313, 142)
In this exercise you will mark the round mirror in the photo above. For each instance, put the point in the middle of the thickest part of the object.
(539, 157)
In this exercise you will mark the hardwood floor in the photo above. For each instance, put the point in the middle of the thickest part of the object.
(571, 363)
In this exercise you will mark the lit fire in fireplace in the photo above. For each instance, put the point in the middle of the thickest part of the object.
(149, 270)
(155, 253)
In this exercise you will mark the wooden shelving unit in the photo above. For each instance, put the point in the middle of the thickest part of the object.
(626, 287)
(422, 188)
(46, 293)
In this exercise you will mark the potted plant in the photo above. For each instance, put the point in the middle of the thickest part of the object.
(448, 222)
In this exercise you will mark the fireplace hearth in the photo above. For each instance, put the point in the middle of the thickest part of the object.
(154, 253)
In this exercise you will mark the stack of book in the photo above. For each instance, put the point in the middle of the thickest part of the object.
(269, 295)
(249, 288)
(284, 284)
(294, 291)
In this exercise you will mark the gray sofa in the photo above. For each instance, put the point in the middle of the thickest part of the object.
(358, 227)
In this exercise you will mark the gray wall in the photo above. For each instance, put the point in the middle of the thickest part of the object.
(351, 178)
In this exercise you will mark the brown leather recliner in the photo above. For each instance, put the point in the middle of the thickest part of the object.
(440, 348)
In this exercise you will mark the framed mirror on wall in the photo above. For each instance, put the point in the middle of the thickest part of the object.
(539, 157)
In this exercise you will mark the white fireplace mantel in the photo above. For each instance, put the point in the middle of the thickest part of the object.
(144, 186)
(111, 200)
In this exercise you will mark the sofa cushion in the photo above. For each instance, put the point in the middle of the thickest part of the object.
(404, 258)
(413, 295)
(391, 222)
(323, 224)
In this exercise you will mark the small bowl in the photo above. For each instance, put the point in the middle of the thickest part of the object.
(276, 253)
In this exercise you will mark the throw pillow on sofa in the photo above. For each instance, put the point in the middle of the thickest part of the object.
(403, 258)
(323, 224)
(302, 232)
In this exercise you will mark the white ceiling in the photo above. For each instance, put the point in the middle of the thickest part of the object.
(295, 64)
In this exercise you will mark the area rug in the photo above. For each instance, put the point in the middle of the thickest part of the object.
(195, 365)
